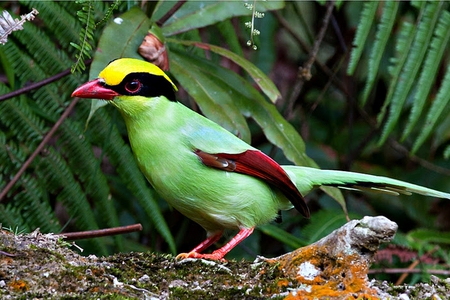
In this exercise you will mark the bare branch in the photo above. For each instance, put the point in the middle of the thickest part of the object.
(72, 236)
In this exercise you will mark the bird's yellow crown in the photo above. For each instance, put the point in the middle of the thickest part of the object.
(116, 70)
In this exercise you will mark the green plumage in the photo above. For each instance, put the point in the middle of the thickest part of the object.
(164, 135)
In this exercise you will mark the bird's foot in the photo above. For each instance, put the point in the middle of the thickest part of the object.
(216, 255)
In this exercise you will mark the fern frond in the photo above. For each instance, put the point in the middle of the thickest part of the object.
(34, 206)
(412, 67)
(439, 108)
(12, 156)
(121, 157)
(59, 180)
(108, 13)
(441, 133)
(80, 157)
(430, 69)
(30, 208)
(59, 19)
(384, 30)
(405, 39)
(362, 31)
(21, 121)
(86, 17)
(12, 218)
(34, 48)
(47, 102)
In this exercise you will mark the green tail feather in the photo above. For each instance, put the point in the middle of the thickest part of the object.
(308, 178)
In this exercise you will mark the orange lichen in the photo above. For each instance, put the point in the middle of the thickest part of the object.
(19, 285)
(282, 282)
(342, 276)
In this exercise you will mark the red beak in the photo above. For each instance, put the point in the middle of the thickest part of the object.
(94, 89)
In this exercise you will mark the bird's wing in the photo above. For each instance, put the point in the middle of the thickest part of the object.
(220, 149)
(256, 163)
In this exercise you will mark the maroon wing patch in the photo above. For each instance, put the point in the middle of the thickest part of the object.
(256, 163)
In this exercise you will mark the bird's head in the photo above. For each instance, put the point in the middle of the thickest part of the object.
(127, 81)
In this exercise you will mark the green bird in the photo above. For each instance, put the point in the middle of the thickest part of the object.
(205, 172)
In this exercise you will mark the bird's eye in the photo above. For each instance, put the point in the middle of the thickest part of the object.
(133, 86)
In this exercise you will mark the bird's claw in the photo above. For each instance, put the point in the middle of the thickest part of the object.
(213, 256)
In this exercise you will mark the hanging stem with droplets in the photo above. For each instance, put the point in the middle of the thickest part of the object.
(251, 25)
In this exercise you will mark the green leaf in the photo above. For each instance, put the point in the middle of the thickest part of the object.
(383, 33)
(362, 32)
(121, 38)
(436, 112)
(323, 223)
(266, 85)
(228, 33)
(404, 42)
(198, 14)
(431, 236)
(213, 97)
(281, 235)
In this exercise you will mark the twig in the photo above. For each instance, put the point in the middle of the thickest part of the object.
(39, 84)
(170, 12)
(7, 254)
(72, 236)
(38, 149)
(305, 47)
(413, 265)
(305, 71)
(408, 270)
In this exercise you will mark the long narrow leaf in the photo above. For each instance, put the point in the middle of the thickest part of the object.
(362, 32)
(266, 85)
(384, 31)
(439, 108)
(198, 14)
(215, 101)
(405, 39)
(281, 235)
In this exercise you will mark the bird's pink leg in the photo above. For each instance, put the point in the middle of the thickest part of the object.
(220, 253)
(208, 242)
(202, 246)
